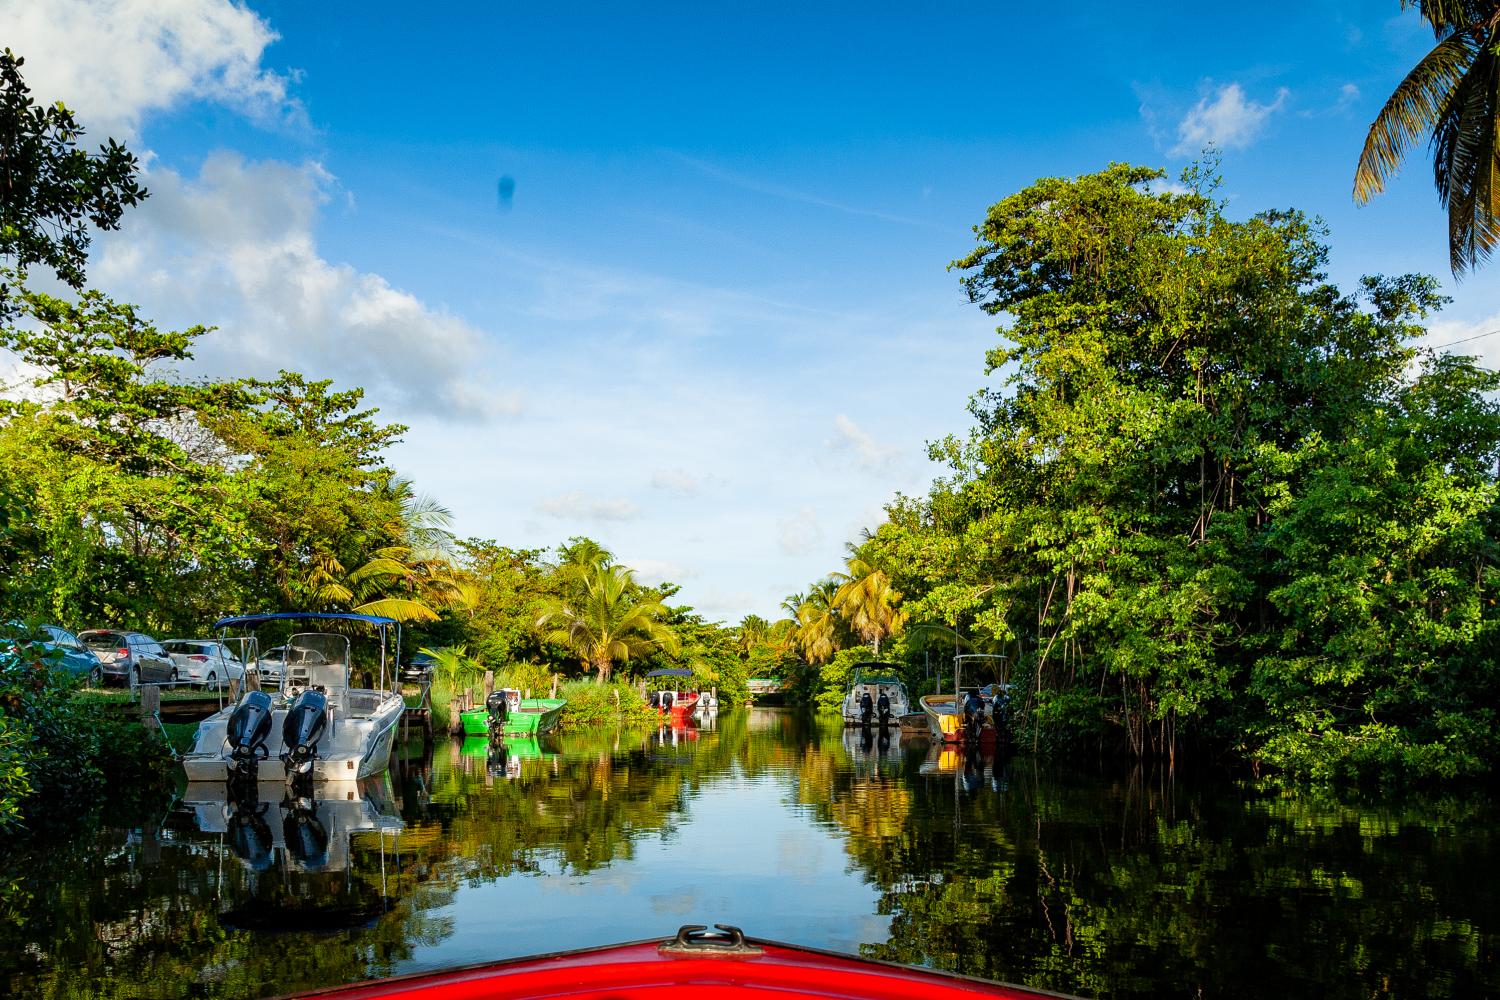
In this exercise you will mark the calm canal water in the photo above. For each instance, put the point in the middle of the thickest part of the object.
(795, 830)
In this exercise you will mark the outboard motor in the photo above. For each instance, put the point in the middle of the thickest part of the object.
(866, 708)
(301, 731)
(498, 707)
(1000, 714)
(666, 701)
(883, 706)
(654, 699)
(248, 727)
(305, 836)
(973, 715)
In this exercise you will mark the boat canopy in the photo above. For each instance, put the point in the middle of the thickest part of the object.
(239, 620)
(874, 672)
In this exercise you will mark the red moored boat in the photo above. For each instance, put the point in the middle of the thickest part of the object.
(677, 705)
(696, 964)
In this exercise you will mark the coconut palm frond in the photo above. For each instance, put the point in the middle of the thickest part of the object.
(1410, 113)
(403, 609)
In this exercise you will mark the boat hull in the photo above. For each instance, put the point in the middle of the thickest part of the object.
(354, 748)
(943, 720)
(755, 969)
(535, 717)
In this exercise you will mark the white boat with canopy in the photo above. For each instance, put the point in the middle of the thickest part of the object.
(315, 726)
(876, 695)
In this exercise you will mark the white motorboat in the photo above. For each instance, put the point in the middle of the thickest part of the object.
(876, 696)
(315, 726)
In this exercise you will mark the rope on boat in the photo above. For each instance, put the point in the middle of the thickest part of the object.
(161, 728)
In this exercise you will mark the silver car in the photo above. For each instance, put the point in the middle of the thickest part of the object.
(129, 657)
(204, 661)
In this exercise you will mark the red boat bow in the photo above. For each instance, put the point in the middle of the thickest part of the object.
(696, 964)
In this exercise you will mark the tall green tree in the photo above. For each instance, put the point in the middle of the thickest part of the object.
(1453, 94)
(607, 621)
(868, 602)
(51, 190)
(1159, 502)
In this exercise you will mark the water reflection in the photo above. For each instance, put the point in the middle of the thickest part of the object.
(833, 837)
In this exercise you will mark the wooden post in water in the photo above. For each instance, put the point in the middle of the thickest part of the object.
(234, 690)
(489, 684)
(554, 686)
(150, 705)
(455, 724)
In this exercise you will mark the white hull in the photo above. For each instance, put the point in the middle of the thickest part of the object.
(357, 744)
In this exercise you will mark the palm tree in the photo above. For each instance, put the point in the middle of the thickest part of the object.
(608, 620)
(753, 631)
(1454, 93)
(411, 579)
(817, 622)
(868, 602)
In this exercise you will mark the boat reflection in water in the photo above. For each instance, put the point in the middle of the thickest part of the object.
(309, 833)
(297, 853)
(971, 769)
(873, 749)
(506, 757)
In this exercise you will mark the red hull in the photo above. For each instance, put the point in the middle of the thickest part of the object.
(653, 969)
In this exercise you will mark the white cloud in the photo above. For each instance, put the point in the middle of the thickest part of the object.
(115, 61)
(678, 481)
(234, 248)
(577, 506)
(654, 571)
(1228, 120)
(799, 532)
(1478, 339)
(867, 453)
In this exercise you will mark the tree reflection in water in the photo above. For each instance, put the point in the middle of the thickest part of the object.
(1006, 868)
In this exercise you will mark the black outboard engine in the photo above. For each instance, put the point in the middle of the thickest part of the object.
(973, 715)
(866, 708)
(883, 706)
(304, 726)
(654, 699)
(498, 707)
(248, 727)
(1000, 714)
(666, 701)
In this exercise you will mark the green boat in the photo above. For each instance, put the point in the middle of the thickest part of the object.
(524, 716)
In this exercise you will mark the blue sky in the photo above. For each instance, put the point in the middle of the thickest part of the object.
(713, 326)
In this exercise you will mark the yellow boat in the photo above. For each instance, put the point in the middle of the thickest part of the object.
(944, 711)
(944, 720)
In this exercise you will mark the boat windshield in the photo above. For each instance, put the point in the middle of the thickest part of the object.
(318, 660)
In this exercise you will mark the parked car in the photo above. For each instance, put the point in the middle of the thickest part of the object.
(204, 661)
(273, 664)
(75, 658)
(419, 669)
(130, 657)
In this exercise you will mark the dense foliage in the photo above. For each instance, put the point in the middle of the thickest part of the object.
(1215, 502)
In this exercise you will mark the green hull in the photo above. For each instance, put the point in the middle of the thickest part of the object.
(536, 717)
